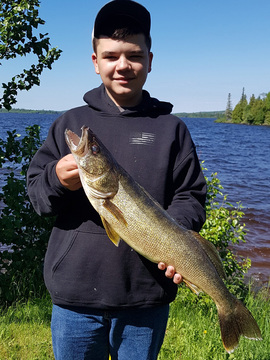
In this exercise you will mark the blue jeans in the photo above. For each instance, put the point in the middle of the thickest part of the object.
(91, 334)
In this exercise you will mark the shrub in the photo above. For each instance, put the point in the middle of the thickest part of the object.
(20, 227)
(223, 227)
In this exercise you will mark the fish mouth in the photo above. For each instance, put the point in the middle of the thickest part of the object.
(78, 145)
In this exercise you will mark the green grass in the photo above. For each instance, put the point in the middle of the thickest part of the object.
(192, 333)
(193, 330)
(25, 331)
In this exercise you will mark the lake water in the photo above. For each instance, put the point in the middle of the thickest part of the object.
(240, 156)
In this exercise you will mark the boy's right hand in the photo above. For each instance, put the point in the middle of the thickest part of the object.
(68, 173)
(170, 273)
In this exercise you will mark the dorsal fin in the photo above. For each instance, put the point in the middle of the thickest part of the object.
(212, 254)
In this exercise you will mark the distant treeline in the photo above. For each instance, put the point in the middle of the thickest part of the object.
(27, 111)
(256, 111)
(202, 114)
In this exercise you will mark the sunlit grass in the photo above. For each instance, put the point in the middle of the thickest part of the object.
(192, 334)
(193, 331)
(25, 331)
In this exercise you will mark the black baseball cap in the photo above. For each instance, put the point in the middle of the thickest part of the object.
(121, 13)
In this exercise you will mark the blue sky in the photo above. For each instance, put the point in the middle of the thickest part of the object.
(203, 50)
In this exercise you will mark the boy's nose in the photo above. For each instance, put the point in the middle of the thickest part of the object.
(123, 63)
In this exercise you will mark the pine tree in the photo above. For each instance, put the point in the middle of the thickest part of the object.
(238, 112)
(252, 100)
(248, 113)
(267, 109)
(228, 111)
(243, 97)
(256, 112)
(259, 113)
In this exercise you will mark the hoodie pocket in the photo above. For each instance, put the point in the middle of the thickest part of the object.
(66, 248)
(59, 246)
(79, 267)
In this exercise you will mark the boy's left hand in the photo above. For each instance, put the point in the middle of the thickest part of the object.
(170, 273)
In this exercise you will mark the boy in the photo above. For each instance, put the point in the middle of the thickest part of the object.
(109, 300)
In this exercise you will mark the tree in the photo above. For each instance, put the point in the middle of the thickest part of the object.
(252, 100)
(259, 113)
(267, 109)
(19, 21)
(228, 111)
(237, 114)
(267, 102)
(20, 226)
(267, 118)
(248, 113)
(243, 96)
(256, 112)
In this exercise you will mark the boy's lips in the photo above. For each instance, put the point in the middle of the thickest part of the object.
(124, 80)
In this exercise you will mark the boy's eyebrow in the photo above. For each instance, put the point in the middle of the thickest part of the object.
(107, 53)
(135, 52)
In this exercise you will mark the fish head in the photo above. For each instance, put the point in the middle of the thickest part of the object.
(96, 165)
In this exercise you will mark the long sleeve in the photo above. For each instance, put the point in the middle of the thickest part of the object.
(189, 186)
(45, 191)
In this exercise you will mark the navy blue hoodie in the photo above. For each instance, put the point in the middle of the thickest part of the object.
(82, 266)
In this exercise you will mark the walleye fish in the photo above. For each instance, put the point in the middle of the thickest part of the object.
(129, 213)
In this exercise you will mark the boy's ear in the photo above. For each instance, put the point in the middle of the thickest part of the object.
(150, 62)
(94, 59)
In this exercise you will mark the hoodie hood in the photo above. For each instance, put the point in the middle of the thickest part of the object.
(99, 100)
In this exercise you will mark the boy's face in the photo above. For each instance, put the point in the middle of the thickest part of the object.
(123, 66)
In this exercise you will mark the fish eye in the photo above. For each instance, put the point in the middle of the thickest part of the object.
(95, 149)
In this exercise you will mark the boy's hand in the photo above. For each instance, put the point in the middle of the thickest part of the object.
(68, 173)
(170, 273)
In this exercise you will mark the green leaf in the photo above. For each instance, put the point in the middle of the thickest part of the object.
(19, 37)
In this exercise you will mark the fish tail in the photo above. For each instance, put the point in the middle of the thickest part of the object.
(238, 321)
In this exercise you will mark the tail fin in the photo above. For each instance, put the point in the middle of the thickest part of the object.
(238, 322)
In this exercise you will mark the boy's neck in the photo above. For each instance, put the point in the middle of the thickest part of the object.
(126, 103)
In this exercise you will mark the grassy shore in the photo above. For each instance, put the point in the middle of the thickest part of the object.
(193, 331)
(192, 334)
(25, 331)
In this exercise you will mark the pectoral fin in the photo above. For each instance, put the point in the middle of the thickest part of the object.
(113, 236)
(193, 287)
(115, 211)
